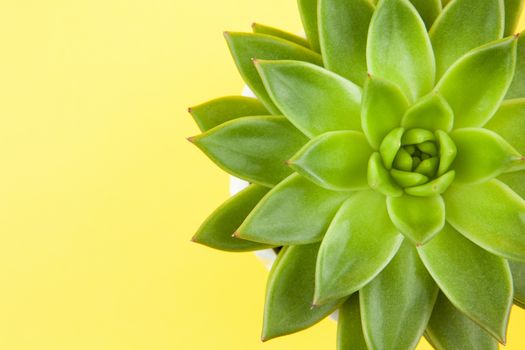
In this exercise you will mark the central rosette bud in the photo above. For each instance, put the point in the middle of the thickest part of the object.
(415, 161)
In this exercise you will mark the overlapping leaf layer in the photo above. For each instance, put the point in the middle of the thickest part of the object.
(385, 156)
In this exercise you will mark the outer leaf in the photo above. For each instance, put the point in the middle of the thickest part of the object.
(491, 215)
(343, 29)
(418, 218)
(384, 104)
(336, 160)
(450, 329)
(263, 29)
(312, 98)
(429, 10)
(509, 123)
(476, 84)
(216, 112)
(289, 294)
(349, 330)
(517, 88)
(397, 304)
(452, 35)
(294, 212)
(308, 11)
(360, 242)
(245, 47)
(518, 277)
(217, 230)
(516, 181)
(474, 272)
(252, 148)
(481, 155)
(432, 112)
(399, 48)
(513, 9)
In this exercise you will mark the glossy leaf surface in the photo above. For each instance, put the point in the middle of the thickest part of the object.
(397, 304)
(349, 329)
(517, 88)
(384, 105)
(343, 29)
(264, 29)
(481, 155)
(217, 230)
(476, 84)
(245, 47)
(289, 294)
(453, 36)
(216, 112)
(489, 214)
(509, 123)
(308, 11)
(253, 148)
(335, 160)
(450, 329)
(359, 243)
(399, 49)
(418, 218)
(432, 112)
(313, 99)
(294, 212)
(474, 272)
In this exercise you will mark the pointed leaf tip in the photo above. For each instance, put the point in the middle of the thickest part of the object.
(191, 139)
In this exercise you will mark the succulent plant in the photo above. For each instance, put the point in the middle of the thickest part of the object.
(385, 160)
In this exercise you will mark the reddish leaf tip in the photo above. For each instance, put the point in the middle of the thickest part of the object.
(254, 24)
(190, 109)
(194, 239)
(517, 35)
(226, 34)
(191, 139)
(236, 234)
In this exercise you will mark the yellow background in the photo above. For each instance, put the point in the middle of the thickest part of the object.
(99, 191)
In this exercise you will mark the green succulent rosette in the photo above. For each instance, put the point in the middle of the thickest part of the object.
(385, 156)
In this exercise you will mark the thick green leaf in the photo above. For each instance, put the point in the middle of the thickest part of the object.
(343, 30)
(290, 289)
(476, 84)
(432, 112)
(390, 146)
(462, 270)
(335, 160)
(349, 330)
(245, 47)
(450, 329)
(380, 179)
(481, 155)
(491, 215)
(516, 181)
(397, 304)
(434, 187)
(216, 232)
(384, 105)
(263, 29)
(452, 34)
(513, 10)
(359, 243)
(418, 218)
(518, 277)
(216, 112)
(314, 99)
(253, 148)
(447, 151)
(429, 10)
(308, 11)
(294, 212)
(517, 88)
(399, 48)
(509, 123)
